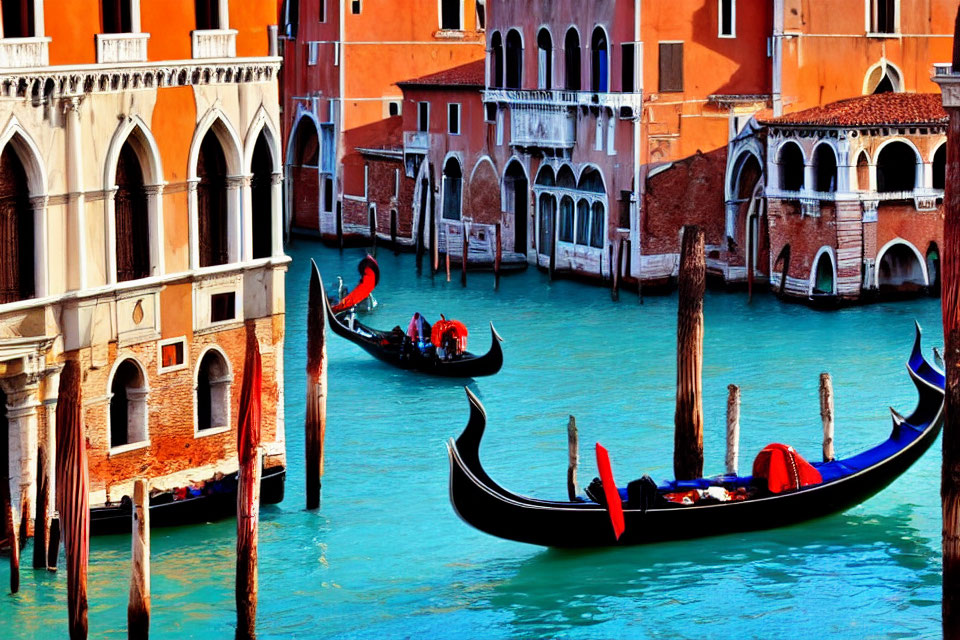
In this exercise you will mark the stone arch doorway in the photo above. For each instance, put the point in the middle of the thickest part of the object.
(933, 269)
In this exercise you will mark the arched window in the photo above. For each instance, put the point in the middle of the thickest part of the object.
(128, 405)
(116, 16)
(515, 200)
(565, 178)
(940, 167)
(212, 202)
(16, 230)
(863, 171)
(825, 164)
(452, 189)
(450, 14)
(544, 60)
(791, 167)
(583, 222)
(599, 62)
(546, 177)
(566, 219)
(597, 225)
(514, 60)
(933, 268)
(571, 54)
(496, 43)
(591, 181)
(548, 212)
(823, 282)
(261, 188)
(213, 392)
(900, 269)
(883, 78)
(303, 177)
(896, 168)
(132, 218)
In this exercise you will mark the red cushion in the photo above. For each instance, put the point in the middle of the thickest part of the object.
(784, 469)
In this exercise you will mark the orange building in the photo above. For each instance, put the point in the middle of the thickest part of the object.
(140, 234)
(342, 62)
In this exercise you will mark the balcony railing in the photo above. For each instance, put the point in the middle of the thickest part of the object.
(542, 125)
(214, 43)
(21, 53)
(559, 97)
(923, 199)
(122, 47)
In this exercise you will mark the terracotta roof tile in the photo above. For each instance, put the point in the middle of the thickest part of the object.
(872, 110)
(472, 74)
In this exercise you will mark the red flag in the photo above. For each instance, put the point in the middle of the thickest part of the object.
(614, 505)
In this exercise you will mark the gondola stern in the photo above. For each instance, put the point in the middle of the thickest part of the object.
(496, 335)
(468, 444)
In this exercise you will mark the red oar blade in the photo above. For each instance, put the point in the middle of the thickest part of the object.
(614, 505)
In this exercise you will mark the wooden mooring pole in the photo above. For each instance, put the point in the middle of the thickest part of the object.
(46, 470)
(573, 458)
(733, 429)
(465, 251)
(12, 533)
(688, 418)
(615, 256)
(498, 257)
(826, 414)
(248, 489)
(316, 418)
(73, 495)
(950, 306)
(138, 607)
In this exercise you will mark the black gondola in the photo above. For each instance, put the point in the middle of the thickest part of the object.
(386, 346)
(482, 503)
(217, 501)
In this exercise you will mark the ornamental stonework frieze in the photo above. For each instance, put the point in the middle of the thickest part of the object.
(53, 83)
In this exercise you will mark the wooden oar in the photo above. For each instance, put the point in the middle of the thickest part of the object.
(614, 504)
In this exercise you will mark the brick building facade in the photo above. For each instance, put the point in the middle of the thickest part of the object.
(141, 232)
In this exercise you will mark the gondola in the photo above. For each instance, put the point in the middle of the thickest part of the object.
(217, 501)
(482, 503)
(383, 346)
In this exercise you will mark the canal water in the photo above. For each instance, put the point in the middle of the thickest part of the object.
(387, 557)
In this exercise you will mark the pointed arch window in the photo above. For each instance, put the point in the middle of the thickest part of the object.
(514, 70)
(571, 46)
(132, 219)
(544, 60)
(261, 188)
(212, 202)
(452, 187)
(600, 62)
(496, 43)
(16, 231)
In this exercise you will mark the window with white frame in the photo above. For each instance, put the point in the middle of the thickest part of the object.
(128, 405)
(313, 50)
(393, 108)
(490, 112)
(19, 18)
(727, 19)
(882, 16)
(322, 9)
(453, 119)
(451, 15)
(423, 116)
(172, 354)
(212, 395)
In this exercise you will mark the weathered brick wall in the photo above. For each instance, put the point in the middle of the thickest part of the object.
(901, 220)
(689, 192)
(173, 445)
(805, 235)
(306, 197)
(381, 190)
(482, 201)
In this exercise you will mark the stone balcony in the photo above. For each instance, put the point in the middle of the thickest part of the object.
(557, 97)
(416, 142)
(122, 47)
(214, 43)
(23, 53)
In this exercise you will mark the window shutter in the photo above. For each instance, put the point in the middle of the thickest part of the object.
(671, 66)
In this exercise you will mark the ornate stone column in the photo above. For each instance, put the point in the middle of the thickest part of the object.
(237, 214)
(276, 214)
(155, 212)
(22, 402)
(77, 258)
(246, 217)
(193, 209)
(41, 277)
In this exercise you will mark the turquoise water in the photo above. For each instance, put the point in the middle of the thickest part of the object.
(386, 556)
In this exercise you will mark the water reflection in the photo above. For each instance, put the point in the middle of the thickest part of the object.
(556, 590)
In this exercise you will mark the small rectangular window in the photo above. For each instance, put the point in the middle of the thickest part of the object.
(355, 7)
(883, 16)
(328, 194)
(172, 354)
(671, 66)
(627, 67)
(207, 14)
(453, 119)
(223, 307)
(393, 108)
(323, 10)
(313, 49)
(116, 16)
(727, 19)
(624, 221)
(18, 19)
(423, 116)
(490, 112)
